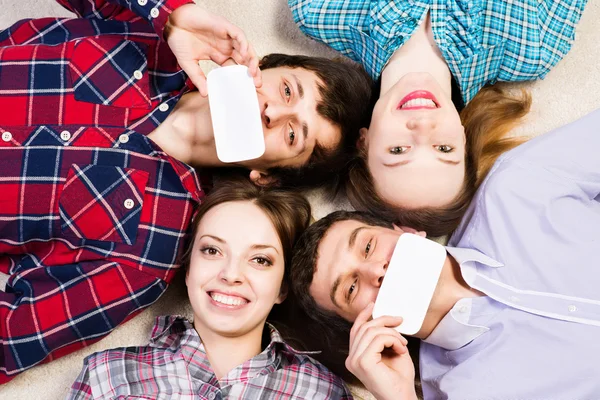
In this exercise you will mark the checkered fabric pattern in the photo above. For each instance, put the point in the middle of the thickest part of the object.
(175, 365)
(482, 41)
(92, 213)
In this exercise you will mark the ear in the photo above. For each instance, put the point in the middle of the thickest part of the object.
(283, 292)
(362, 138)
(260, 178)
(410, 230)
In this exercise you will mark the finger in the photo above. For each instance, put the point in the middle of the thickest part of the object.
(385, 321)
(196, 75)
(372, 353)
(360, 320)
(253, 67)
(240, 42)
(369, 336)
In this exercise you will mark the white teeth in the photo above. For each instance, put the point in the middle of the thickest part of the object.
(419, 102)
(228, 300)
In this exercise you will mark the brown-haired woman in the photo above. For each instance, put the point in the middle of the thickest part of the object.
(236, 271)
(421, 157)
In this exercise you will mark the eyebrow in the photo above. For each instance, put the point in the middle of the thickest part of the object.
(300, 87)
(264, 246)
(218, 239)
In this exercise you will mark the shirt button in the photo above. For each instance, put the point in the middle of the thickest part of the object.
(65, 135)
(514, 299)
(138, 75)
(7, 136)
(124, 138)
(463, 309)
(163, 107)
(128, 204)
(142, 2)
(572, 308)
(154, 12)
(211, 396)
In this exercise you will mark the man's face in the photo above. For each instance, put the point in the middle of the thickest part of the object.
(292, 127)
(352, 260)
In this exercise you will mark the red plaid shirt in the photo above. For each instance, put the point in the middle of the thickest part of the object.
(92, 213)
(175, 366)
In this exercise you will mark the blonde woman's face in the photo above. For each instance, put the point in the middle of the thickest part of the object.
(416, 144)
(236, 270)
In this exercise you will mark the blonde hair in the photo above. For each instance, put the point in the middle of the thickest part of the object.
(487, 120)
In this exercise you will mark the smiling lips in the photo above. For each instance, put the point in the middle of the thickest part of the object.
(227, 301)
(418, 100)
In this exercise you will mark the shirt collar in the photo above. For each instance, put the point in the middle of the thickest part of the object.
(454, 330)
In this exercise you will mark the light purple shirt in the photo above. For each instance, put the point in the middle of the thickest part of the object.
(531, 242)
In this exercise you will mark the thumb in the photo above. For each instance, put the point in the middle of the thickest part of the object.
(196, 75)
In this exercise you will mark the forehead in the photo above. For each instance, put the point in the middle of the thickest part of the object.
(239, 221)
(421, 183)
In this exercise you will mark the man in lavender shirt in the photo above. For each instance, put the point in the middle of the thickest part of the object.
(516, 312)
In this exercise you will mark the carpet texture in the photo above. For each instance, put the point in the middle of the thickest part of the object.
(570, 91)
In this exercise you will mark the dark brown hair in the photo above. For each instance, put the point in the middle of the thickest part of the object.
(345, 90)
(288, 211)
(487, 119)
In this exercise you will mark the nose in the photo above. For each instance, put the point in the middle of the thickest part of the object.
(274, 113)
(421, 123)
(374, 271)
(232, 272)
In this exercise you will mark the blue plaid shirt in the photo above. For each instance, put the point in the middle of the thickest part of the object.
(483, 41)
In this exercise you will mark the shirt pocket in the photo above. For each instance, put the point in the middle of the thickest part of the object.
(110, 71)
(102, 203)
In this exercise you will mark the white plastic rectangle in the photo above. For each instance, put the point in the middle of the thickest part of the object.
(410, 281)
(235, 114)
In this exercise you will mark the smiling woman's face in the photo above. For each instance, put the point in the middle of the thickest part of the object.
(236, 270)
(416, 145)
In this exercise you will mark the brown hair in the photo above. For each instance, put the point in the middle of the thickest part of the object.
(288, 211)
(487, 119)
(345, 90)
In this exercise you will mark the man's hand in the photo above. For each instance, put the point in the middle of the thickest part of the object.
(195, 34)
(379, 358)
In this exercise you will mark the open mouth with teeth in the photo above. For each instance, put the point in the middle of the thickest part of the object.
(227, 301)
(418, 100)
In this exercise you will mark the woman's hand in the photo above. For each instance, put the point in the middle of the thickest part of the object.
(379, 358)
(196, 34)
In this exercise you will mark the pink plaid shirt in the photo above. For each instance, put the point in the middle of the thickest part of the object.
(175, 366)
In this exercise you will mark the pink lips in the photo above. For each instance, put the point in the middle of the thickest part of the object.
(417, 94)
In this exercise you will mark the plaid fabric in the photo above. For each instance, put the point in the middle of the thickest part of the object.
(92, 213)
(175, 366)
(482, 41)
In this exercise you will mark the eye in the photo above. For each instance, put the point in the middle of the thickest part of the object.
(264, 261)
(291, 136)
(444, 148)
(399, 149)
(351, 288)
(209, 251)
(368, 248)
(287, 91)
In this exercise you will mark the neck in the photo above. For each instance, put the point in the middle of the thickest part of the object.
(419, 54)
(187, 133)
(219, 348)
(451, 288)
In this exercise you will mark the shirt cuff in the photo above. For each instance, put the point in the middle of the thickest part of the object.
(158, 11)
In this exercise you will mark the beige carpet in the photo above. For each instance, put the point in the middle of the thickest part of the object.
(570, 91)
